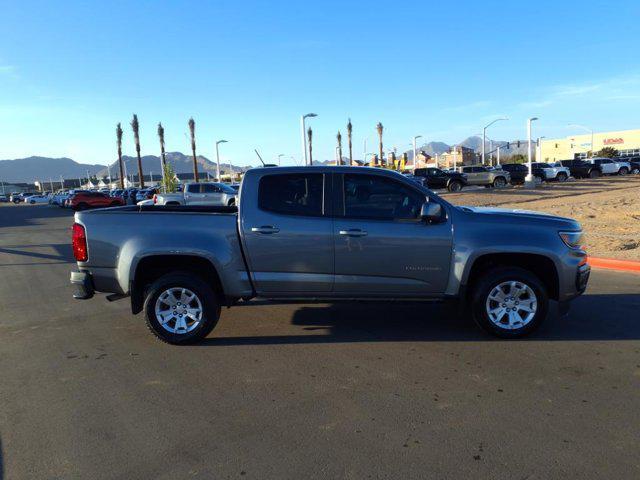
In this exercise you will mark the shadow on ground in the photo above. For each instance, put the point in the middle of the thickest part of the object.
(25, 215)
(593, 317)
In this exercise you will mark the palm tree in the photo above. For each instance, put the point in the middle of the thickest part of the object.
(136, 136)
(119, 143)
(380, 129)
(339, 138)
(192, 130)
(310, 137)
(349, 131)
(163, 159)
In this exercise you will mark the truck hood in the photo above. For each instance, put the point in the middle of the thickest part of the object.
(520, 213)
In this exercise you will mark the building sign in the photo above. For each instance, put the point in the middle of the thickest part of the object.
(612, 141)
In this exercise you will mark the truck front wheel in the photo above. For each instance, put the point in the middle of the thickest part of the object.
(509, 302)
(180, 308)
(454, 186)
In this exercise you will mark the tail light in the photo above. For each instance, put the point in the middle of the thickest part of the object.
(155, 198)
(79, 242)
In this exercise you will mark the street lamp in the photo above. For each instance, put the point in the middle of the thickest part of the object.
(280, 156)
(588, 130)
(484, 134)
(218, 159)
(529, 181)
(415, 152)
(304, 135)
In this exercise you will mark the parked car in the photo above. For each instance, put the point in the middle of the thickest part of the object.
(582, 169)
(519, 172)
(557, 172)
(3, 198)
(86, 200)
(634, 163)
(328, 233)
(19, 198)
(436, 178)
(33, 199)
(146, 194)
(59, 197)
(481, 175)
(199, 194)
(610, 166)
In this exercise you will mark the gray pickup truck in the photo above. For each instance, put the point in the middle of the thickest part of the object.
(328, 234)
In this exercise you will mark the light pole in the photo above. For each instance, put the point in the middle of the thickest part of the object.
(529, 181)
(415, 152)
(498, 155)
(304, 135)
(484, 134)
(218, 159)
(588, 130)
(279, 157)
(539, 149)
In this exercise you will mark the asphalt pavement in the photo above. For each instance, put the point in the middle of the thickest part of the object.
(305, 391)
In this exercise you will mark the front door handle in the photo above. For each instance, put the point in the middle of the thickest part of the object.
(354, 232)
(265, 229)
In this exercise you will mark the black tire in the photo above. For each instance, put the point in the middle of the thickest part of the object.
(623, 171)
(635, 171)
(499, 182)
(594, 173)
(232, 202)
(206, 296)
(454, 186)
(562, 177)
(494, 277)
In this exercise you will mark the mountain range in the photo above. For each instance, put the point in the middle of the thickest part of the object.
(42, 168)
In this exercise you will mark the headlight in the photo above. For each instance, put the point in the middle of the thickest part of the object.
(572, 239)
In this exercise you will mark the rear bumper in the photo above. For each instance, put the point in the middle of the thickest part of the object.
(83, 284)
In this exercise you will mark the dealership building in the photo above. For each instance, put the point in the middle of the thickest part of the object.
(627, 142)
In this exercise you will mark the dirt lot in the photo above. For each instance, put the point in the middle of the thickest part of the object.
(608, 209)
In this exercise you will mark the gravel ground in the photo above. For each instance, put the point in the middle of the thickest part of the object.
(608, 209)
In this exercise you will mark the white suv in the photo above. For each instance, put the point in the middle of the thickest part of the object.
(611, 167)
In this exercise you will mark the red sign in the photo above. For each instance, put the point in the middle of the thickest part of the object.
(612, 141)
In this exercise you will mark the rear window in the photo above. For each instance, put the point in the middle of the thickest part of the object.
(292, 194)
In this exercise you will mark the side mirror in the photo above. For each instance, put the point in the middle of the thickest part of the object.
(431, 212)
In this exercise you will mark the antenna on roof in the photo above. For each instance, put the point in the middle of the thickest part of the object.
(261, 161)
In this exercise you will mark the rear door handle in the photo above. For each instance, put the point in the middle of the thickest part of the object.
(265, 229)
(354, 232)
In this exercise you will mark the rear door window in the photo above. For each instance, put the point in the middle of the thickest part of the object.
(292, 194)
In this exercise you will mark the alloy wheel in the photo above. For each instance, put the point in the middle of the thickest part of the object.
(178, 310)
(511, 305)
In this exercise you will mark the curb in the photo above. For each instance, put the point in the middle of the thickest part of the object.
(613, 264)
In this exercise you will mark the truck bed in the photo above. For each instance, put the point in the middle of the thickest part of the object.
(171, 208)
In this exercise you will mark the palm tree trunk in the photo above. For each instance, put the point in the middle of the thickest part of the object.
(339, 138)
(163, 159)
(310, 137)
(192, 130)
(380, 129)
(136, 136)
(349, 130)
(119, 142)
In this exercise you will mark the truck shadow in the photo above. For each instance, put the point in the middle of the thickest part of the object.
(62, 253)
(592, 317)
(26, 215)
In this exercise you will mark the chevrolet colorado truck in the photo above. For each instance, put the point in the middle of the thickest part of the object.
(489, 177)
(328, 234)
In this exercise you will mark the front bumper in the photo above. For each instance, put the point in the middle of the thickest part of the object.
(83, 284)
(582, 277)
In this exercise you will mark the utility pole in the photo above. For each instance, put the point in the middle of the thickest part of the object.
(529, 180)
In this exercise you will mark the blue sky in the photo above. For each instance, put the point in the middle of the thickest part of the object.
(247, 70)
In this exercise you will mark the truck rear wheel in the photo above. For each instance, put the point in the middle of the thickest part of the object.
(181, 308)
(499, 182)
(594, 174)
(561, 177)
(509, 302)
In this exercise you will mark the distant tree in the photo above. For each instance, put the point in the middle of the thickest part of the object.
(136, 136)
(169, 182)
(608, 152)
(119, 143)
(349, 132)
(192, 131)
(518, 158)
(339, 139)
(310, 137)
(380, 130)
(162, 155)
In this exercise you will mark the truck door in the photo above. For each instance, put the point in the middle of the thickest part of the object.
(287, 232)
(193, 195)
(212, 194)
(382, 246)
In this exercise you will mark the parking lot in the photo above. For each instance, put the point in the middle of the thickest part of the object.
(305, 391)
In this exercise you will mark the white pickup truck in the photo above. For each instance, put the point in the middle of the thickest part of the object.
(555, 171)
(214, 194)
